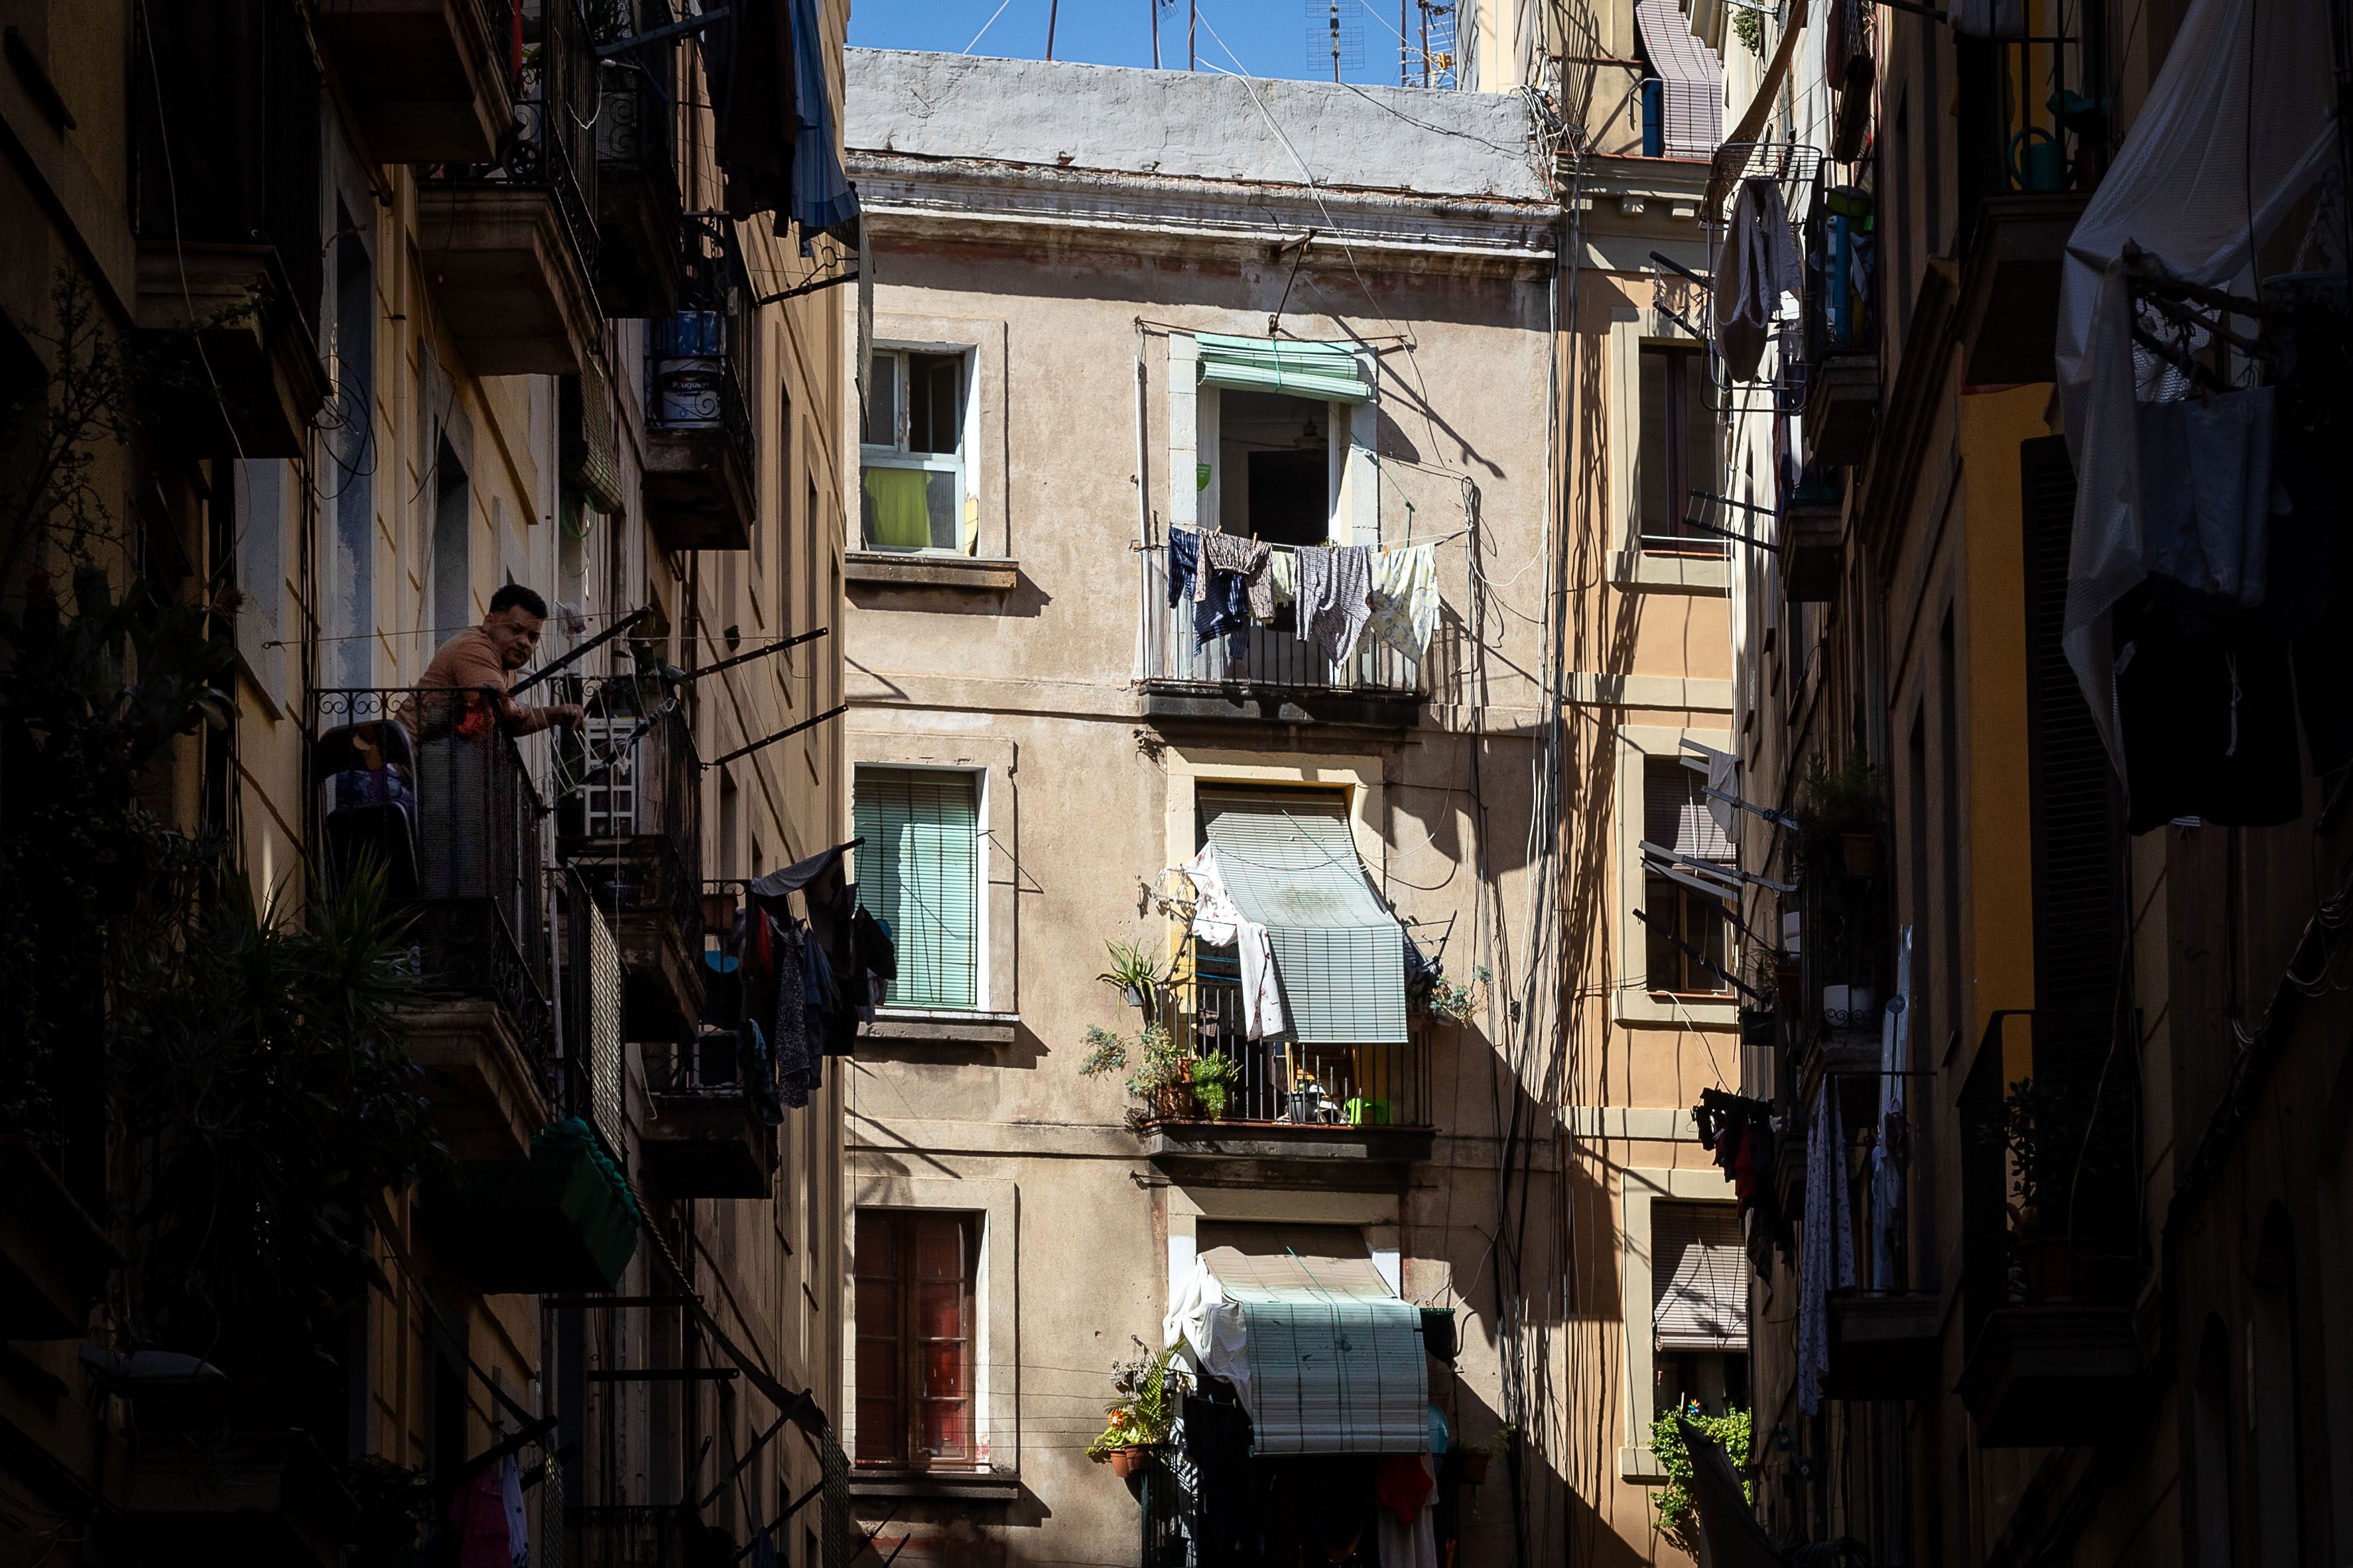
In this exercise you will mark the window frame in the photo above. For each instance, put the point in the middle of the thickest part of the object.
(977, 780)
(873, 454)
(1686, 899)
(1685, 364)
(908, 1427)
(1634, 1003)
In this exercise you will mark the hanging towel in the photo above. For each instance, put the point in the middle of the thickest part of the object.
(1217, 922)
(477, 1519)
(1225, 612)
(518, 1522)
(1759, 265)
(1402, 606)
(1334, 592)
(789, 1043)
(1282, 576)
(1887, 1153)
(2206, 491)
(1245, 558)
(1406, 1540)
(1827, 1246)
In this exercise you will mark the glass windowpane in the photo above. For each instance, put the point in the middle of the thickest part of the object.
(883, 403)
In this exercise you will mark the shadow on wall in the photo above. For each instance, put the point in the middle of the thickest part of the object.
(1024, 601)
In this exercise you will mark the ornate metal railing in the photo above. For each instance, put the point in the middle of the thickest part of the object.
(427, 789)
(551, 144)
(1276, 1080)
(694, 368)
(636, 117)
(1276, 656)
(628, 807)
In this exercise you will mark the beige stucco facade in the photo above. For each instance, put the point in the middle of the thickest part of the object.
(1075, 278)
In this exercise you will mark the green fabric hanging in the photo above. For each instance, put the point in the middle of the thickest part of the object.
(897, 517)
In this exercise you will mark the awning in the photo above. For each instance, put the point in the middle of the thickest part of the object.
(1289, 864)
(1328, 371)
(1691, 80)
(1324, 1356)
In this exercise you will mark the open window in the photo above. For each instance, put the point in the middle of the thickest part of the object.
(915, 1275)
(914, 474)
(1685, 926)
(1678, 449)
(1699, 1315)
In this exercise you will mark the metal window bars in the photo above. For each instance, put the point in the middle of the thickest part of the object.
(1275, 656)
(1279, 1081)
(552, 143)
(588, 1070)
(629, 810)
(425, 788)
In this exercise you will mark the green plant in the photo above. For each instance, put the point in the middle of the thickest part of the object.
(1214, 1073)
(1455, 1002)
(1748, 26)
(1498, 1443)
(1134, 970)
(1678, 1512)
(1845, 800)
(2068, 1153)
(395, 1503)
(1144, 1406)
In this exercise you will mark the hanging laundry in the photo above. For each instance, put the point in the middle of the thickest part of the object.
(1217, 922)
(1335, 596)
(2205, 713)
(1248, 559)
(1225, 612)
(478, 1520)
(1283, 575)
(788, 1042)
(1402, 605)
(1886, 1151)
(2206, 492)
(518, 1522)
(1758, 266)
(1827, 1263)
(1406, 1485)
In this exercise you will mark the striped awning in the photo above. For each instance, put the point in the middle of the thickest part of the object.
(1690, 80)
(1329, 371)
(1289, 864)
(1323, 1355)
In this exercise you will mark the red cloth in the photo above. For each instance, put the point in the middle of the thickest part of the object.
(1402, 1484)
(478, 1517)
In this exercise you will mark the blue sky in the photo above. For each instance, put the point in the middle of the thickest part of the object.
(1270, 37)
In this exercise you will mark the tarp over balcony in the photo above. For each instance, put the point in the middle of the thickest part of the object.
(1289, 864)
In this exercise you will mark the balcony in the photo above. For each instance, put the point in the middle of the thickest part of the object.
(428, 80)
(508, 245)
(2031, 152)
(2051, 1245)
(639, 268)
(1883, 1345)
(1852, 62)
(2009, 286)
(1282, 678)
(423, 787)
(1285, 1100)
(708, 1137)
(54, 1259)
(1813, 541)
(269, 1500)
(699, 464)
(1841, 328)
(229, 267)
(628, 824)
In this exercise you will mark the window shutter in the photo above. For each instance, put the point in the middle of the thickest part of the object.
(1675, 815)
(1699, 1278)
(919, 870)
(2078, 842)
(1329, 371)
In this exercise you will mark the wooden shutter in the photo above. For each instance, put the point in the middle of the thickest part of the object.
(1699, 1278)
(2078, 839)
(919, 870)
(914, 1275)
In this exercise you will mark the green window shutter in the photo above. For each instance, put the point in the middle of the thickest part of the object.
(1329, 371)
(920, 871)
(1290, 863)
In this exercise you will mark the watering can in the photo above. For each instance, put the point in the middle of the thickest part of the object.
(2038, 163)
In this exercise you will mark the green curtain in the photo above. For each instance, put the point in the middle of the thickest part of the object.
(897, 517)
(919, 868)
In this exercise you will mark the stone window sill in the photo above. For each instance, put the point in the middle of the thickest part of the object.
(944, 1026)
(968, 1486)
(912, 569)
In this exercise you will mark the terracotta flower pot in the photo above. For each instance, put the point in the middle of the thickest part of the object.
(1861, 853)
(1474, 1466)
(1125, 1462)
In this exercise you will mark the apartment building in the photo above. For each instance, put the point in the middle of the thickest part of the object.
(2041, 1169)
(326, 323)
(1157, 307)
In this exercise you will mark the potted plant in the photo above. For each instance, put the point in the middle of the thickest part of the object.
(1840, 815)
(1161, 1074)
(1143, 1410)
(1475, 1457)
(1134, 974)
(1450, 1001)
(1213, 1076)
(1678, 1512)
(2072, 1161)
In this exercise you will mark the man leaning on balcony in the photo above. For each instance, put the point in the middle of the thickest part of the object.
(485, 657)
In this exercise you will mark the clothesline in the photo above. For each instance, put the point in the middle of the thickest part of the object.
(1138, 547)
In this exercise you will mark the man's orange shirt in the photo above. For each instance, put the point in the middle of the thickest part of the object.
(470, 661)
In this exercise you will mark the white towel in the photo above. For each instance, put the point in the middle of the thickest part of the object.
(1217, 922)
(1825, 1244)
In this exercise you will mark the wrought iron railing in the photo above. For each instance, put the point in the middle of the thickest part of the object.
(551, 144)
(1276, 656)
(628, 808)
(637, 116)
(1280, 1081)
(694, 368)
(426, 787)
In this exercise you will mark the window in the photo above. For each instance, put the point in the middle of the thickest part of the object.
(919, 870)
(1678, 449)
(1274, 466)
(914, 1274)
(911, 452)
(1684, 924)
(1698, 1317)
